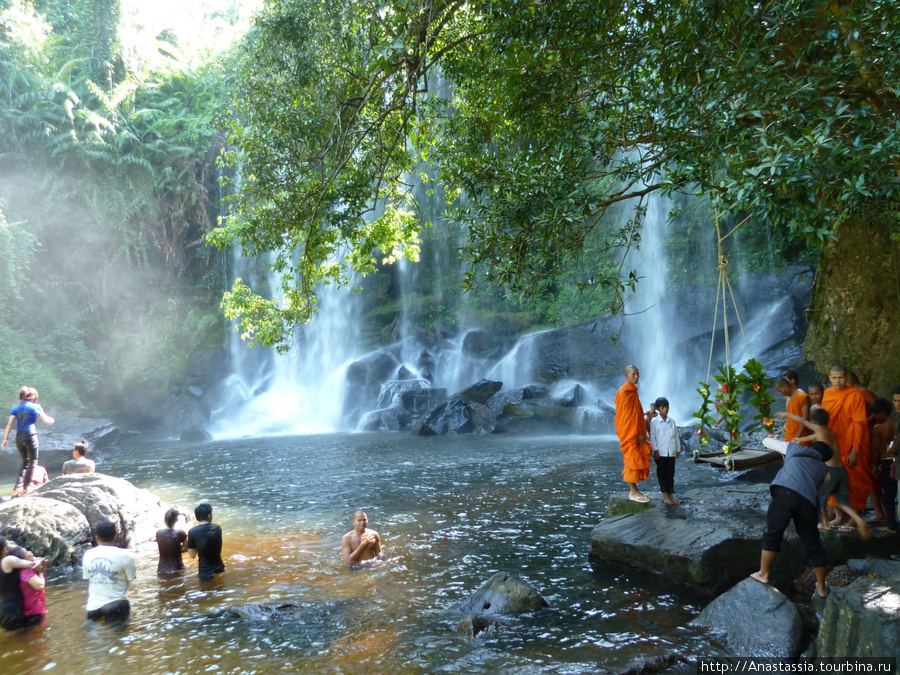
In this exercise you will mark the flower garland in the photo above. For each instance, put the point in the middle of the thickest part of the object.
(706, 421)
(727, 404)
(756, 381)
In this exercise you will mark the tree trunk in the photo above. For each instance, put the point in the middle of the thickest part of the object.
(854, 311)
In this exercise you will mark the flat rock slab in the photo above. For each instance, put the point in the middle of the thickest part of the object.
(53, 530)
(713, 539)
(755, 619)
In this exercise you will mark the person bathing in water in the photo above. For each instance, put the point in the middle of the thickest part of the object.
(360, 543)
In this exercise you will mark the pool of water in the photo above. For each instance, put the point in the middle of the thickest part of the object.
(451, 511)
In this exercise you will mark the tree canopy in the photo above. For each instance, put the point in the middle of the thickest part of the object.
(535, 118)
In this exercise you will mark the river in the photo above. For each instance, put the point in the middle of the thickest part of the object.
(451, 511)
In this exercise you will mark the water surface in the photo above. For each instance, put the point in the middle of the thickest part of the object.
(451, 512)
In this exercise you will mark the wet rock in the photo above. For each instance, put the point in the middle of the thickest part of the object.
(573, 396)
(195, 434)
(713, 540)
(386, 419)
(650, 666)
(584, 353)
(481, 344)
(420, 401)
(50, 529)
(503, 593)
(839, 576)
(458, 417)
(479, 392)
(754, 618)
(390, 391)
(862, 619)
(405, 373)
(472, 625)
(137, 513)
(881, 567)
(531, 407)
(596, 421)
(621, 504)
(66, 431)
(363, 383)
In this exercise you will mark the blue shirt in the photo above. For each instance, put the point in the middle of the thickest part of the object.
(26, 414)
(803, 472)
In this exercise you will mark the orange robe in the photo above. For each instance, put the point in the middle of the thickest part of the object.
(630, 423)
(847, 418)
(794, 406)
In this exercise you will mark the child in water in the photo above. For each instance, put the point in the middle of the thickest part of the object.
(666, 449)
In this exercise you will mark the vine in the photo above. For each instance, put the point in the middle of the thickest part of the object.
(757, 382)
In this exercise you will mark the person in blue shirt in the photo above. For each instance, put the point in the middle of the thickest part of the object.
(26, 415)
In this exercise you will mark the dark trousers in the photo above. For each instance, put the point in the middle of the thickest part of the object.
(111, 610)
(665, 474)
(788, 505)
(27, 444)
(889, 493)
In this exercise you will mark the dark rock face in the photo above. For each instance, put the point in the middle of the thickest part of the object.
(195, 434)
(391, 390)
(65, 432)
(55, 520)
(480, 392)
(363, 383)
(862, 619)
(584, 352)
(503, 593)
(754, 618)
(714, 539)
(458, 417)
(482, 344)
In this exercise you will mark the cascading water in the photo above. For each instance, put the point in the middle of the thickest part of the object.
(298, 392)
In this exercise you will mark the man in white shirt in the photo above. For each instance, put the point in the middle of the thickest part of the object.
(666, 449)
(109, 570)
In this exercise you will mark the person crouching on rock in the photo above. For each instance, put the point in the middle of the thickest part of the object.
(795, 496)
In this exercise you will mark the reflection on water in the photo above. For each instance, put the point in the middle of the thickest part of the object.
(451, 511)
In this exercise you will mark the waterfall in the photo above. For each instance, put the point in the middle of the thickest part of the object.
(298, 392)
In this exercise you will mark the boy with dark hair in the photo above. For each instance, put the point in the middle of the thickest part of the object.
(796, 402)
(666, 449)
(205, 541)
(816, 392)
(109, 569)
(883, 454)
(794, 493)
(79, 462)
(837, 481)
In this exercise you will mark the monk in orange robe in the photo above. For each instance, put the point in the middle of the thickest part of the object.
(846, 408)
(870, 397)
(797, 404)
(631, 428)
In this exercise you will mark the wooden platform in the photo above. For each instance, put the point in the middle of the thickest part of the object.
(745, 458)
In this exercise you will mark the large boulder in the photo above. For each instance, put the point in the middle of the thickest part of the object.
(66, 431)
(391, 390)
(503, 593)
(755, 619)
(458, 417)
(137, 513)
(862, 619)
(713, 540)
(51, 529)
(479, 392)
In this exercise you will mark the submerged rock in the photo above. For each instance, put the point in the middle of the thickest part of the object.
(755, 619)
(503, 593)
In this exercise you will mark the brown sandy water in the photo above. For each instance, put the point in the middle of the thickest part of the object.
(451, 511)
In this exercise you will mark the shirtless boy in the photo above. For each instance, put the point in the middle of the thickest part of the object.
(360, 543)
(836, 481)
(882, 456)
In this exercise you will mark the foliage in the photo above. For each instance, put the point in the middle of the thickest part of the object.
(705, 420)
(784, 112)
(728, 403)
(755, 380)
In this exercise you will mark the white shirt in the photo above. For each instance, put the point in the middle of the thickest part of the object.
(109, 570)
(664, 436)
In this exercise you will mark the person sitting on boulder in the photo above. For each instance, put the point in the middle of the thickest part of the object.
(79, 462)
(795, 496)
(172, 544)
(39, 476)
(360, 543)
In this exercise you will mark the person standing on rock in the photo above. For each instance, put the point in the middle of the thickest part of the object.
(360, 543)
(846, 408)
(108, 569)
(795, 496)
(631, 428)
(25, 415)
(204, 541)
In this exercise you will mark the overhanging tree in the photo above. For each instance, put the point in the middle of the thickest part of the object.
(786, 110)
